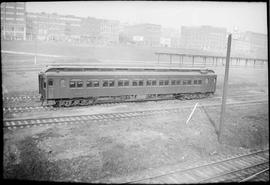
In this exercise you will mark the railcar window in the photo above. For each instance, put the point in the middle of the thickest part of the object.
(173, 82)
(166, 82)
(126, 83)
(96, 83)
(161, 82)
(184, 82)
(44, 84)
(154, 83)
(120, 83)
(111, 83)
(89, 84)
(199, 81)
(134, 83)
(79, 84)
(178, 82)
(140, 82)
(72, 84)
(105, 83)
(50, 83)
(189, 82)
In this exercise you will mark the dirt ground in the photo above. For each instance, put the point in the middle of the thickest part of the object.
(96, 151)
(99, 151)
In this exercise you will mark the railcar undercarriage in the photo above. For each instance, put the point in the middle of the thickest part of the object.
(127, 98)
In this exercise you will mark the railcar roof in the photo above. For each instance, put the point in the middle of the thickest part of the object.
(80, 68)
(125, 73)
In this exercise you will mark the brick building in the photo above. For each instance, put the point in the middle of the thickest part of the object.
(13, 21)
(203, 38)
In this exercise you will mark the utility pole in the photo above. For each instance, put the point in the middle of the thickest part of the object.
(225, 86)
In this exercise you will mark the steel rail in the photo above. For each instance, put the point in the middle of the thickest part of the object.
(200, 166)
(254, 175)
(21, 123)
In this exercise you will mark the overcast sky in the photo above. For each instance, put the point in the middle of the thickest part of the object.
(246, 16)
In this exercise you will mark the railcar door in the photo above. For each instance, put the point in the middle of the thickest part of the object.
(50, 88)
(42, 86)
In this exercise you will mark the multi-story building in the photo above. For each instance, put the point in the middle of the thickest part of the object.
(204, 38)
(143, 34)
(250, 43)
(258, 43)
(45, 26)
(13, 22)
(99, 31)
(170, 37)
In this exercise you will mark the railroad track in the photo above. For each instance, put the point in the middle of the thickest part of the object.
(22, 109)
(22, 123)
(242, 167)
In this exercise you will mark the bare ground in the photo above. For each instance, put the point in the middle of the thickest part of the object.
(101, 150)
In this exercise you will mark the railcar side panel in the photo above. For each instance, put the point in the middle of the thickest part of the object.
(60, 88)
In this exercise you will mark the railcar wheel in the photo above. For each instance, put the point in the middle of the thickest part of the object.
(83, 102)
(61, 103)
(76, 102)
(68, 103)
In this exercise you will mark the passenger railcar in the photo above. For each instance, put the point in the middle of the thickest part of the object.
(80, 85)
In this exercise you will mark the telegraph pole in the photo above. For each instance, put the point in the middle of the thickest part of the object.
(225, 86)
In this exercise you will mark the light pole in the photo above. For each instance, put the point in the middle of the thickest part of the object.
(225, 86)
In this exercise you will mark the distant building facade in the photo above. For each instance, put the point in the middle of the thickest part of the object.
(13, 21)
(170, 37)
(99, 31)
(43, 26)
(250, 43)
(203, 38)
(143, 34)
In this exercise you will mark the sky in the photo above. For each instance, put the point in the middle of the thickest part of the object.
(245, 16)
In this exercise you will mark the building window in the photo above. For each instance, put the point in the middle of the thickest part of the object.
(173, 82)
(161, 82)
(154, 82)
(166, 82)
(189, 82)
(148, 82)
(199, 81)
(195, 82)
